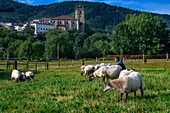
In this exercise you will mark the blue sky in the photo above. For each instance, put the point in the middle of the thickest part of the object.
(155, 6)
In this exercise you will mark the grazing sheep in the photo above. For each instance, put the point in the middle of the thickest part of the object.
(29, 75)
(82, 69)
(125, 72)
(89, 69)
(97, 67)
(22, 77)
(106, 71)
(15, 75)
(126, 84)
(103, 64)
(109, 64)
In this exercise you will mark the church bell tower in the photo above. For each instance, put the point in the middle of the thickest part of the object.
(79, 15)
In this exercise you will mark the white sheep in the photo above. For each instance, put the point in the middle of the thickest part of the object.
(29, 75)
(126, 72)
(15, 75)
(126, 84)
(89, 69)
(106, 71)
(109, 64)
(103, 64)
(97, 66)
(82, 69)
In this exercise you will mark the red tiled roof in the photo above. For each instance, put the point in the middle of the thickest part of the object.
(47, 19)
(63, 17)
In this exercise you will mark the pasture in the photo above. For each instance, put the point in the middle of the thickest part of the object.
(64, 90)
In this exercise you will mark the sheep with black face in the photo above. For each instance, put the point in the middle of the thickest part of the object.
(106, 71)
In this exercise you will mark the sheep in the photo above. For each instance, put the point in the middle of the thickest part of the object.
(22, 77)
(15, 75)
(126, 84)
(29, 75)
(97, 67)
(89, 69)
(109, 64)
(82, 69)
(126, 72)
(103, 64)
(106, 71)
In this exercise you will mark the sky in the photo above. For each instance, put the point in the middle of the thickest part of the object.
(155, 6)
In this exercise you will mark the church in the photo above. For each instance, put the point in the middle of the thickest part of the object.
(61, 23)
(64, 23)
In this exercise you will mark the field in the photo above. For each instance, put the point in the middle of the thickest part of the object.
(64, 90)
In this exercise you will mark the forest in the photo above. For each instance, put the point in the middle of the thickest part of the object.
(138, 34)
(97, 15)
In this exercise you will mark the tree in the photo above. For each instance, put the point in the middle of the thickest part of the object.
(29, 30)
(140, 34)
(38, 49)
(25, 50)
(52, 38)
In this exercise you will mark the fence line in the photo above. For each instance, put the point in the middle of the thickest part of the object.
(35, 64)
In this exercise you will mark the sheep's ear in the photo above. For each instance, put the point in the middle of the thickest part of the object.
(109, 84)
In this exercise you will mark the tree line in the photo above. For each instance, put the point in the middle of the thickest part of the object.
(97, 15)
(136, 35)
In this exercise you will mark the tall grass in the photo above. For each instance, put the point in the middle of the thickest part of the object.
(64, 90)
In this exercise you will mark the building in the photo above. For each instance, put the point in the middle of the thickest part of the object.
(61, 23)
(6, 25)
(41, 27)
(64, 22)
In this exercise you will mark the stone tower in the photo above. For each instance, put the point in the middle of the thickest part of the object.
(79, 15)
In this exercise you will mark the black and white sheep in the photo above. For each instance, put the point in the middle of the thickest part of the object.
(103, 64)
(106, 71)
(29, 75)
(97, 67)
(126, 84)
(109, 64)
(82, 69)
(87, 70)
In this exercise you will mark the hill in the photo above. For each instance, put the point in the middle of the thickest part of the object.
(97, 15)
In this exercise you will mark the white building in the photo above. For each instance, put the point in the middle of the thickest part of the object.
(41, 27)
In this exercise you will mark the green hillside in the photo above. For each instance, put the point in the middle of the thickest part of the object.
(97, 15)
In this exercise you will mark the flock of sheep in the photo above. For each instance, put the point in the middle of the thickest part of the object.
(124, 81)
(21, 76)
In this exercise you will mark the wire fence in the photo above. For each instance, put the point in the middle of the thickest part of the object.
(51, 64)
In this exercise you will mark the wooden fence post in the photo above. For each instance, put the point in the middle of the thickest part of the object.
(96, 60)
(143, 58)
(27, 63)
(36, 65)
(15, 64)
(47, 59)
(121, 55)
(82, 62)
(103, 60)
(166, 56)
(72, 62)
(7, 61)
(58, 62)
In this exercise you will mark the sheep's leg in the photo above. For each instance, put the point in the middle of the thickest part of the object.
(121, 96)
(104, 79)
(82, 73)
(134, 94)
(107, 78)
(126, 95)
(141, 89)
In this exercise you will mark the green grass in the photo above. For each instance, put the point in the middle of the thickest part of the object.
(64, 90)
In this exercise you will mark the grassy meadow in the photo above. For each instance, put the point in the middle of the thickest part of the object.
(64, 90)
